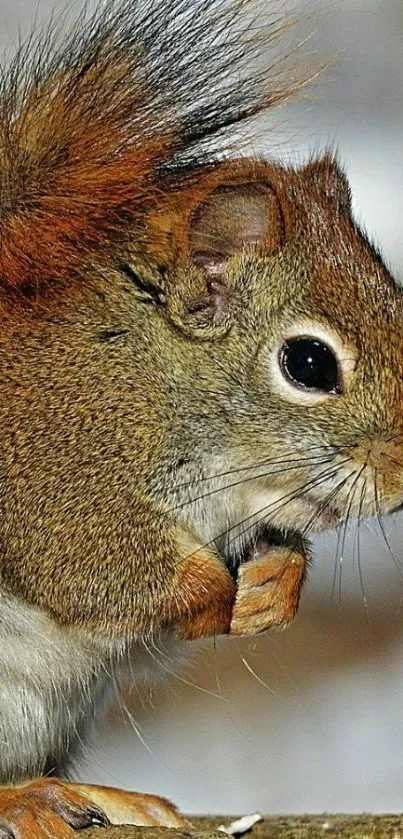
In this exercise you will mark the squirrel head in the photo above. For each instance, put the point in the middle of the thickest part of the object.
(267, 264)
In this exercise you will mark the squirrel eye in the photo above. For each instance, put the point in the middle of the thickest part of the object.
(310, 364)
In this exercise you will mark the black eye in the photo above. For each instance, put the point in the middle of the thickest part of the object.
(310, 364)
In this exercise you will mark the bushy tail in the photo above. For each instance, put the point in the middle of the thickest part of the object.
(90, 127)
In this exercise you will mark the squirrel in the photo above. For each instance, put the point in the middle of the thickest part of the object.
(201, 363)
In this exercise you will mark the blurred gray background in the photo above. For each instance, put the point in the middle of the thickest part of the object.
(310, 719)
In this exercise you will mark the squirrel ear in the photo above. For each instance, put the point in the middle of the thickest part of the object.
(328, 176)
(230, 208)
(232, 217)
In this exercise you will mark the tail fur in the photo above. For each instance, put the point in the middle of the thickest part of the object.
(92, 127)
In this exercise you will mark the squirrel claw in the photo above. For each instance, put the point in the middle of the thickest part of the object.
(49, 807)
(268, 591)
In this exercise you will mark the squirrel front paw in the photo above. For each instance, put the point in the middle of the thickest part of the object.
(207, 601)
(200, 605)
(51, 808)
(268, 591)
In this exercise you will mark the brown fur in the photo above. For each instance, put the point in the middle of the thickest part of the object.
(151, 441)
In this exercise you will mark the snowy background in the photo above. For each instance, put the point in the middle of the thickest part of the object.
(311, 719)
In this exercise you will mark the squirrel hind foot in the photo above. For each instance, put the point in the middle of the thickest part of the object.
(49, 807)
(142, 809)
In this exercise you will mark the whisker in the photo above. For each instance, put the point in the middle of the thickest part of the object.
(277, 505)
(340, 527)
(344, 526)
(260, 680)
(179, 678)
(379, 518)
(283, 669)
(326, 503)
(130, 718)
(358, 545)
(228, 711)
(330, 497)
(134, 686)
(234, 484)
(393, 459)
(257, 465)
(216, 673)
(287, 457)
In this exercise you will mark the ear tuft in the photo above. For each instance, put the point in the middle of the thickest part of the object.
(329, 177)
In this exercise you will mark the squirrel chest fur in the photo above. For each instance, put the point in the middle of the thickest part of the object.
(201, 363)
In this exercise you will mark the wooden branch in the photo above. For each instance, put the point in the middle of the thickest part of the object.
(281, 827)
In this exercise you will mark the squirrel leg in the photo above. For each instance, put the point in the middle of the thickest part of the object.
(268, 590)
(48, 807)
(203, 594)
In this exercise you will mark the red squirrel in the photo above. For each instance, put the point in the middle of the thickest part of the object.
(201, 363)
